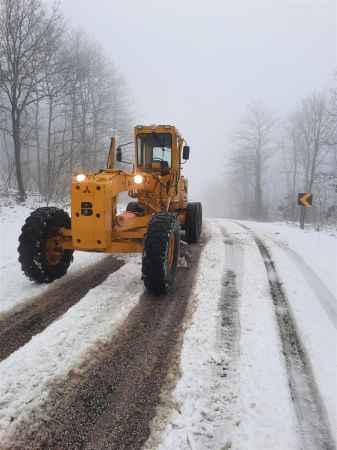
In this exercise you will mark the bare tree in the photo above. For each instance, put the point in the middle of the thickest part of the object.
(61, 99)
(310, 136)
(290, 152)
(252, 141)
(26, 28)
(332, 209)
(313, 123)
(7, 161)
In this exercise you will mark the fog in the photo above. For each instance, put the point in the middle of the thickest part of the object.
(197, 64)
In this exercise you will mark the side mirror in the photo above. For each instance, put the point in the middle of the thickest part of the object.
(186, 152)
(119, 154)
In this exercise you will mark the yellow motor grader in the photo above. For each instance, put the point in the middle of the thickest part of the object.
(151, 224)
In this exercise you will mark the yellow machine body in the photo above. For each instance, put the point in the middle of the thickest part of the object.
(96, 225)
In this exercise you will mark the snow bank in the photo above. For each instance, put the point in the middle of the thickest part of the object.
(317, 248)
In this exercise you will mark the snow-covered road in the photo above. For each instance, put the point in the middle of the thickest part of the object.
(211, 366)
(245, 399)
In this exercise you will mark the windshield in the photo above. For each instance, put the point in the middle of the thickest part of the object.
(154, 150)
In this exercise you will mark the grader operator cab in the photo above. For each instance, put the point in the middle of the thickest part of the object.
(151, 224)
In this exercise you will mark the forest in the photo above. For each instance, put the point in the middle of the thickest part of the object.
(61, 98)
(272, 159)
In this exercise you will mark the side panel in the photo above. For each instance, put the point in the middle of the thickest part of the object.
(91, 215)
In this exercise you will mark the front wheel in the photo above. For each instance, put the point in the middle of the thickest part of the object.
(161, 251)
(41, 255)
(193, 224)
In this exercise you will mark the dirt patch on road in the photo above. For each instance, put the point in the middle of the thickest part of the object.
(19, 327)
(109, 402)
(229, 309)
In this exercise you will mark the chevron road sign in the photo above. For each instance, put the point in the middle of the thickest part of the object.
(304, 199)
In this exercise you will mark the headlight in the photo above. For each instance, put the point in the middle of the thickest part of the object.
(138, 179)
(80, 177)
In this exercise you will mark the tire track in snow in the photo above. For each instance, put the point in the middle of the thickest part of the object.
(18, 327)
(229, 321)
(309, 408)
(323, 294)
(225, 386)
(229, 300)
(109, 402)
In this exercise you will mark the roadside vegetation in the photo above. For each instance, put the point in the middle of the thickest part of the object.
(61, 98)
(273, 158)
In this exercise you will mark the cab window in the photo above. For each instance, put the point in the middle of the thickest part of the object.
(154, 150)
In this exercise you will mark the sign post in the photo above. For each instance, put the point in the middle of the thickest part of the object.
(304, 199)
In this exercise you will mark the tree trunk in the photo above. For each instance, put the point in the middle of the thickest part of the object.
(49, 163)
(72, 137)
(38, 148)
(313, 167)
(293, 187)
(258, 187)
(95, 141)
(17, 153)
(84, 159)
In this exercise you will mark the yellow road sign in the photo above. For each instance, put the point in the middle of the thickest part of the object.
(305, 199)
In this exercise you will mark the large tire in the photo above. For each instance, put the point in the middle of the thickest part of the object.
(161, 252)
(193, 224)
(41, 261)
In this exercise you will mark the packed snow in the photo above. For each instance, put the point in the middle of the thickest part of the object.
(318, 249)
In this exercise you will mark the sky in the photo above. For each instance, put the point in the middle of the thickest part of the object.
(197, 64)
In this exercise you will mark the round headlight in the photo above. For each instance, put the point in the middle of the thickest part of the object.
(80, 177)
(138, 179)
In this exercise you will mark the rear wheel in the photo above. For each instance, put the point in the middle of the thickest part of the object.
(193, 224)
(41, 254)
(161, 251)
